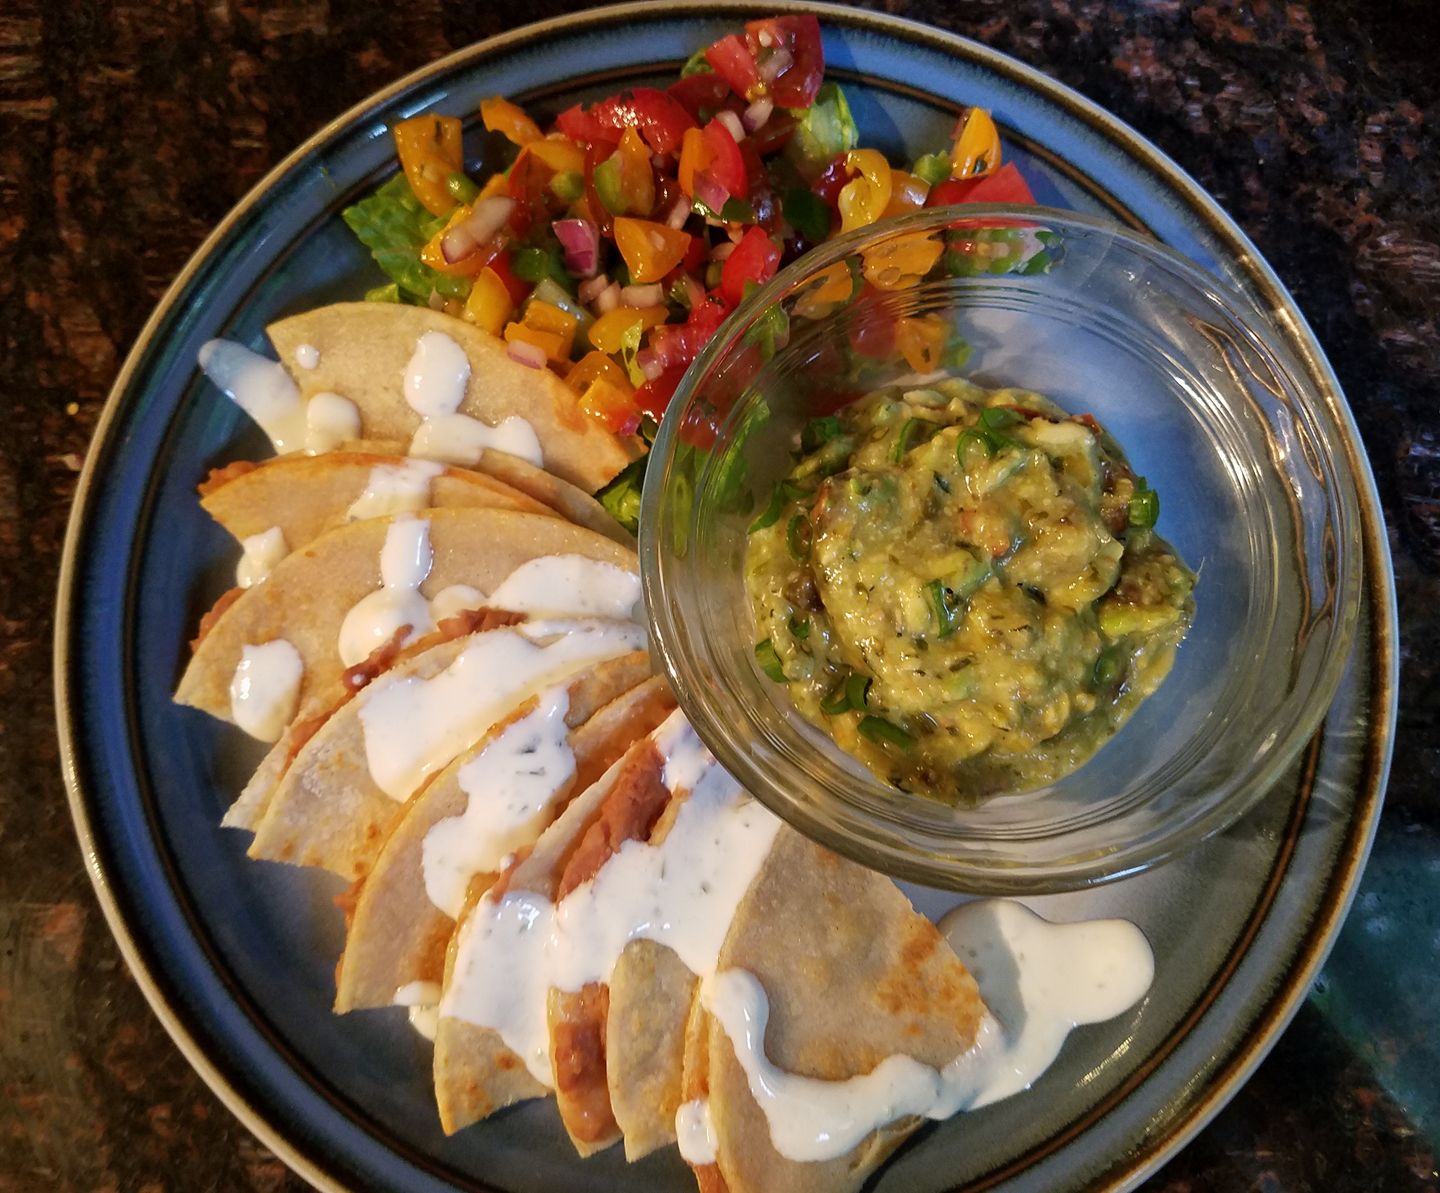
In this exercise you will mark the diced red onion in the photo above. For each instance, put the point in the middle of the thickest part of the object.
(650, 364)
(486, 218)
(776, 64)
(694, 291)
(436, 301)
(526, 353)
(757, 113)
(722, 250)
(591, 288)
(678, 214)
(710, 192)
(651, 295)
(731, 123)
(581, 241)
(607, 300)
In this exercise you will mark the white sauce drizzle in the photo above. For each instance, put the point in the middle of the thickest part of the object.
(681, 893)
(413, 726)
(422, 999)
(434, 386)
(307, 356)
(395, 489)
(405, 562)
(261, 553)
(570, 584)
(511, 785)
(1039, 979)
(695, 1132)
(460, 439)
(265, 688)
(259, 386)
(330, 420)
(456, 598)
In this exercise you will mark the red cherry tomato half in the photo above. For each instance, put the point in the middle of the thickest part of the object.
(755, 259)
(727, 163)
(797, 85)
(733, 61)
(704, 94)
(1005, 185)
(661, 120)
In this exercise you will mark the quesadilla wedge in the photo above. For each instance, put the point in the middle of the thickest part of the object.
(304, 496)
(852, 976)
(660, 851)
(398, 932)
(363, 350)
(349, 783)
(306, 599)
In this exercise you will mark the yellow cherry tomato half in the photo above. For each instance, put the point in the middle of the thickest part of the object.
(863, 200)
(651, 250)
(429, 151)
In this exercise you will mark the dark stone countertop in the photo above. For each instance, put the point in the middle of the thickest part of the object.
(128, 129)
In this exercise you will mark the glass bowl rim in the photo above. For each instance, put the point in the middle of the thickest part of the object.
(975, 874)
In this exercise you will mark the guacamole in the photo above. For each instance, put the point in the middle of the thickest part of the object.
(964, 587)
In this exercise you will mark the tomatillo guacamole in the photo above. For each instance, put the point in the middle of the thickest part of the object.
(964, 587)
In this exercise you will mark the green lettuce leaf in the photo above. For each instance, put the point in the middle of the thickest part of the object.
(393, 225)
(621, 497)
(822, 130)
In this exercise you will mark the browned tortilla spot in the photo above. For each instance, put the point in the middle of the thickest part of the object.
(578, 1043)
(629, 812)
(216, 611)
(220, 477)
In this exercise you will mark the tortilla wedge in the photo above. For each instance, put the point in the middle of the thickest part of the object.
(364, 348)
(571, 502)
(304, 496)
(476, 1073)
(306, 597)
(853, 974)
(397, 935)
(329, 810)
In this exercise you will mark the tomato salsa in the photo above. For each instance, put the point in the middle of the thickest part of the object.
(613, 243)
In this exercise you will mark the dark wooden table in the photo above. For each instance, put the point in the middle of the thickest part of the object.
(128, 129)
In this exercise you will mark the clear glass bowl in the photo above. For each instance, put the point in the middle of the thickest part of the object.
(1202, 392)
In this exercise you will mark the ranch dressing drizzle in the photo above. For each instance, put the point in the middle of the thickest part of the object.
(413, 726)
(259, 386)
(405, 562)
(307, 356)
(569, 584)
(434, 386)
(265, 688)
(681, 893)
(422, 999)
(1039, 980)
(262, 552)
(511, 784)
(395, 489)
(330, 420)
(695, 1132)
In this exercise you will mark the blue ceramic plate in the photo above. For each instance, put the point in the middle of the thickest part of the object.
(237, 956)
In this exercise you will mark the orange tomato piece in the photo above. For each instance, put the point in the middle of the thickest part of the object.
(825, 292)
(547, 341)
(695, 157)
(863, 199)
(612, 407)
(901, 261)
(561, 155)
(977, 146)
(907, 193)
(430, 151)
(608, 332)
(488, 304)
(921, 340)
(651, 250)
(547, 317)
(509, 120)
(594, 366)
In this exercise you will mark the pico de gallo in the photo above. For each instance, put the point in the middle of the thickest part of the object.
(610, 247)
